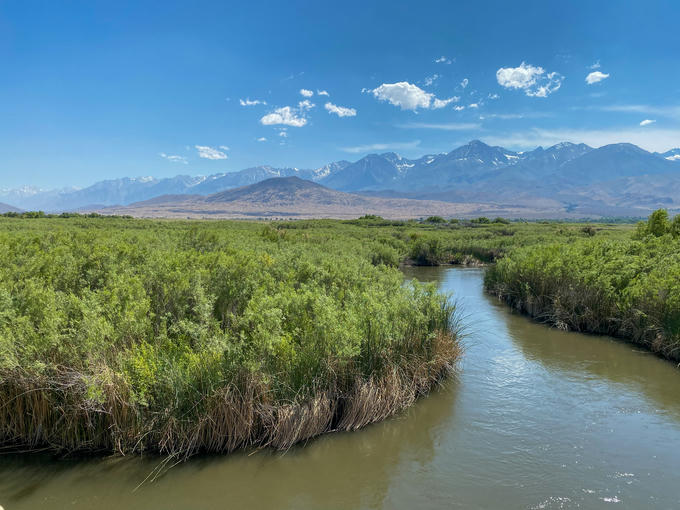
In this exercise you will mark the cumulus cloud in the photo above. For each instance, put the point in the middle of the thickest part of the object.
(458, 108)
(442, 60)
(305, 105)
(206, 152)
(464, 83)
(596, 76)
(322, 92)
(473, 105)
(288, 116)
(647, 122)
(533, 80)
(262, 139)
(248, 102)
(306, 93)
(441, 103)
(173, 158)
(407, 96)
(340, 111)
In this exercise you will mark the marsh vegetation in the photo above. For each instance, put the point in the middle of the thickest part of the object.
(124, 335)
(627, 286)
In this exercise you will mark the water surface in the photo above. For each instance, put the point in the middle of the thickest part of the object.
(536, 418)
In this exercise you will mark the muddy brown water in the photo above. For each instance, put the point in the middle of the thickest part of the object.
(537, 418)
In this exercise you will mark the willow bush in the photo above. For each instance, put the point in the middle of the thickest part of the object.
(627, 287)
(127, 335)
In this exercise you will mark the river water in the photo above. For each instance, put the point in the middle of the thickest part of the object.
(536, 418)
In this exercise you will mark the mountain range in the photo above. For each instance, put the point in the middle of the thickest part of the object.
(295, 198)
(617, 179)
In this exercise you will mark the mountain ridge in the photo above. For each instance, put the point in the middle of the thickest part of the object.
(472, 172)
(295, 198)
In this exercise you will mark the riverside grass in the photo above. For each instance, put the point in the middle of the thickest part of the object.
(628, 287)
(123, 336)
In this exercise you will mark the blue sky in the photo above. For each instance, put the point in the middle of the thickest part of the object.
(93, 90)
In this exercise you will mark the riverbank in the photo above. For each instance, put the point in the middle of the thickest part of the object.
(627, 288)
(527, 398)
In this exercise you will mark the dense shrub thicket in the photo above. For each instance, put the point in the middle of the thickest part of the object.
(128, 335)
(628, 287)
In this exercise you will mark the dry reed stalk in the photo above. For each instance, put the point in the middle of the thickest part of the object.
(55, 412)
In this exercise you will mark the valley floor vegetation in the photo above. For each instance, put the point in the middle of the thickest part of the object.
(628, 287)
(123, 335)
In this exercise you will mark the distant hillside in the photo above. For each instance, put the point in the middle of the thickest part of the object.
(292, 197)
(7, 208)
(291, 191)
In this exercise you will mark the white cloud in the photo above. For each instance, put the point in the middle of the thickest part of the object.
(494, 96)
(450, 126)
(206, 152)
(283, 134)
(173, 158)
(306, 93)
(248, 102)
(262, 139)
(651, 138)
(381, 147)
(441, 103)
(407, 96)
(596, 65)
(464, 83)
(404, 95)
(647, 122)
(429, 80)
(473, 105)
(596, 76)
(442, 60)
(552, 83)
(458, 108)
(340, 111)
(322, 93)
(305, 105)
(533, 80)
(288, 116)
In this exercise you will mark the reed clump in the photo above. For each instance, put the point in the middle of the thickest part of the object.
(54, 411)
(177, 338)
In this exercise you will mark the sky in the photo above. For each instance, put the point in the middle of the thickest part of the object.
(98, 90)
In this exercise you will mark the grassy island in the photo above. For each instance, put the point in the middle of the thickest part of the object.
(122, 335)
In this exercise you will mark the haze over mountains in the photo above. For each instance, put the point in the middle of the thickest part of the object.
(618, 179)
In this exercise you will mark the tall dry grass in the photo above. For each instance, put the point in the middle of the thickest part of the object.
(54, 412)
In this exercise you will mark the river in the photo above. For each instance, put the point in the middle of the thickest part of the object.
(536, 418)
